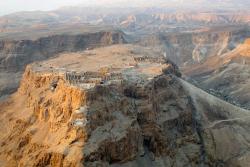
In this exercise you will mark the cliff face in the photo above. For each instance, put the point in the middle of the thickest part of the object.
(15, 55)
(161, 121)
(40, 132)
(108, 125)
(186, 49)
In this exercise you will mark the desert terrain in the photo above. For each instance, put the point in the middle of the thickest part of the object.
(87, 109)
(154, 84)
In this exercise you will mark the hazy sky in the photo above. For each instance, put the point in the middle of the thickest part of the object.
(10, 6)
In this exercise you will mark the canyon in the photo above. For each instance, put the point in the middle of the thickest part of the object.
(213, 59)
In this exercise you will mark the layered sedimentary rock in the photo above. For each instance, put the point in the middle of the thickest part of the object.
(16, 54)
(197, 46)
(128, 109)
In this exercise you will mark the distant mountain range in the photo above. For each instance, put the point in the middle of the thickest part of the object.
(205, 4)
(130, 18)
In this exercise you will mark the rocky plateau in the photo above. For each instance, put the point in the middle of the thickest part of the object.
(122, 105)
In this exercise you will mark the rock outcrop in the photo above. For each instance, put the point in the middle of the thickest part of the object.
(145, 118)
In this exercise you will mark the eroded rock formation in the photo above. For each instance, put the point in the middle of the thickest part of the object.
(159, 121)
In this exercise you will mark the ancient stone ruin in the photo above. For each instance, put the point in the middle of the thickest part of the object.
(148, 59)
(90, 79)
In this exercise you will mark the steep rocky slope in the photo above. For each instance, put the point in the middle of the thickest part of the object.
(18, 51)
(215, 59)
(227, 74)
(118, 106)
